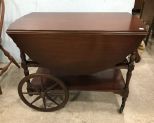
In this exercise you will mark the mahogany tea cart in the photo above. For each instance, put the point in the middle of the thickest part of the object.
(75, 51)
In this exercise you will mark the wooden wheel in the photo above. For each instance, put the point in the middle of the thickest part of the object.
(43, 92)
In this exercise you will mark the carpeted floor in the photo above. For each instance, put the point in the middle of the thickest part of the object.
(90, 107)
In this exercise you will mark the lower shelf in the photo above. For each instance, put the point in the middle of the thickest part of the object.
(108, 80)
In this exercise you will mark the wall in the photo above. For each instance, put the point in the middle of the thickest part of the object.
(18, 8)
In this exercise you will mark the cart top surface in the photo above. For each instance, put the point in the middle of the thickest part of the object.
(104, 22)
(65, 43)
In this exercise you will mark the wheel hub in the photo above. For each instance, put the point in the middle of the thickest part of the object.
(42, 94)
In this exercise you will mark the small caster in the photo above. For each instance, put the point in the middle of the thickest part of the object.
(121, 110)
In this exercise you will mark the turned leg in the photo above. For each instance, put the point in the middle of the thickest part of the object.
(24, 63)
(128, 77)
(25, 67)
(138, 57)
(124, 99)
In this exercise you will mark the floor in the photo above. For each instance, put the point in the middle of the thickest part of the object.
(90, 107)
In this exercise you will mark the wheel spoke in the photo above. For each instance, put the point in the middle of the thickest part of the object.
(42, 86)
(54, 97)
(44, 102)
(55, 94)
(60, 97)
(53, 86)
(33, 93)
(52, 100)
(37, 98)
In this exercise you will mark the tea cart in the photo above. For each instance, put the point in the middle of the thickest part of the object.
(75, 51)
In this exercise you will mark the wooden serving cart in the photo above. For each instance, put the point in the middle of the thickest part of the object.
(75, 51)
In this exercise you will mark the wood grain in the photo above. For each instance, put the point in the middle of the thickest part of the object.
(102, 22)
(77, 43)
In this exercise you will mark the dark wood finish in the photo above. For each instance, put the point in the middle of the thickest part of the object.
(100, 34)
(23, 63)
(75, 46)
(108, 80)
(46, 93)
(82, 22)
(75, 53)
(128, 77)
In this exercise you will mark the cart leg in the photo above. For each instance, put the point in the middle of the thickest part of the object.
(128, 77)
(124, 99)
(138, 57)
(25, 67)
(24, 63)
